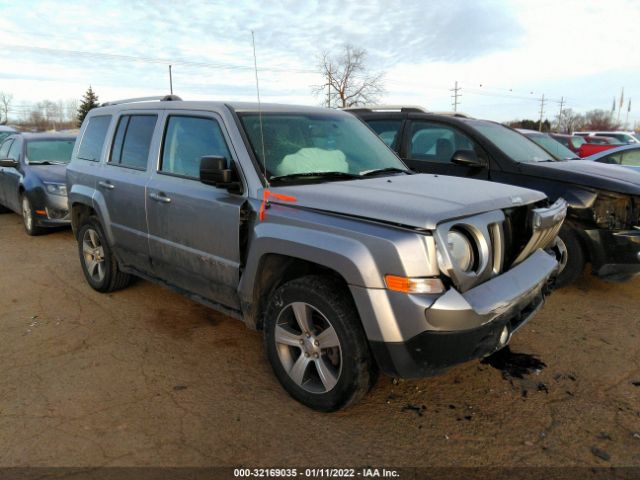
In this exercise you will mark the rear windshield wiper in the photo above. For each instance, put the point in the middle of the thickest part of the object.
(46, 162)
(321, 175)
(368, 173)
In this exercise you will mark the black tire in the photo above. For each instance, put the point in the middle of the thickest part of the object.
(112, 278)
(357, 372)
(575, 257)
(28, 217)
(4, 209)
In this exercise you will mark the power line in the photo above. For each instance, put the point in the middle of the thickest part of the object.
(151, 60)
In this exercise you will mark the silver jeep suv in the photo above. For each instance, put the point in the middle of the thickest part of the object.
(302, 223)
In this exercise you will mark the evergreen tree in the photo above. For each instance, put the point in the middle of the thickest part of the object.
(89, 101)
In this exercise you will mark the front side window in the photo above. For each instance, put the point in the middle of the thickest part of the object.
(387, 130)
(435, 142)
(513, 144)
(613, 158)
(307, 143)
(187, 140)
(51, 151)
(132, 141)
(93, 138)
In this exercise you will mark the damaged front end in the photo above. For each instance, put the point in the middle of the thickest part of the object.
(610, 226)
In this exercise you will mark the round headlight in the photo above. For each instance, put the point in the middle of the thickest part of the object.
(460, 250)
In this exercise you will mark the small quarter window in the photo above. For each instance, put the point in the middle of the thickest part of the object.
(93, 138)
(187, 140)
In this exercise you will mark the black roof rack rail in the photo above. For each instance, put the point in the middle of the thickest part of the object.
(163, 98)
(388, 108)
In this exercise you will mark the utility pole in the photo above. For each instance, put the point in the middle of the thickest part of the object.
(329, 89)
(541, 113)
(170, 81)
(560, 114)
(455, 96)
(626, 120)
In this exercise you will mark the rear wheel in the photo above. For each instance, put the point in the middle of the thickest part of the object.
(316, 344)
(28, 217)
(571, 256)
(99, 265)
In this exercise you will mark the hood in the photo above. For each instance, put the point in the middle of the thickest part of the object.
(419, 201)
(49, 173)
(587, 174)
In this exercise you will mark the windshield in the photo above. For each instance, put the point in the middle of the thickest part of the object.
(513, 144)
(4, 135)
(299, 143)
(51, 150)
(555, 148)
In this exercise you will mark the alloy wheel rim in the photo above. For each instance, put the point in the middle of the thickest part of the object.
(93, 254)
(26, 213)
(308, 347)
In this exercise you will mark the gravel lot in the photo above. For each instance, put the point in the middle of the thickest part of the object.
(146, 377)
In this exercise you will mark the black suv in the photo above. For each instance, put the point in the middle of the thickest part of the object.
(603, 219)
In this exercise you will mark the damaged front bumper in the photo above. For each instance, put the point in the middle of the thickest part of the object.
(458, 327)
(615, 254)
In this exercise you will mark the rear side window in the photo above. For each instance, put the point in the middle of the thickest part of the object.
(93, 138)
(387, 130)
(186, 140)
(132, 141)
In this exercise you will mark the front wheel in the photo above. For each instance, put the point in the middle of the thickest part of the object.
(316, 344)
(99, 265)
(28, 217)
(571, 256)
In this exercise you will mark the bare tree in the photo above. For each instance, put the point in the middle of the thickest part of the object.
(5, 104)
(569, 121)
(348, 81)
(600, 120)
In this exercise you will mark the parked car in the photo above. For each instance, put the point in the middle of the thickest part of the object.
(303, 224)
(624, 137)
(603, 215)
(626, 156)
(32, 178)
(572, 142)
(551, 145)
(6, 131)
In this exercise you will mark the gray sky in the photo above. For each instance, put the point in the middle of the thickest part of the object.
(504, 54)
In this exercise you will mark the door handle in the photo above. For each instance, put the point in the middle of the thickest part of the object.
(107, 185)
(160, 197)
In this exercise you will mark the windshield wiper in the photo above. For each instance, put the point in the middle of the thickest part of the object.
(322, 175)
(368, 173)
(47, 162)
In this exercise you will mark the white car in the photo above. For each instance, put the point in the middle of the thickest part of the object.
(625, 137)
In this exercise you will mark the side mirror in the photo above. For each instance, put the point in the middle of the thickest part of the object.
(467, 158)
(214, 171)
(8, 162)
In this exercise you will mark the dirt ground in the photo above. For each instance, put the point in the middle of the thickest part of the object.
(146, 377)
